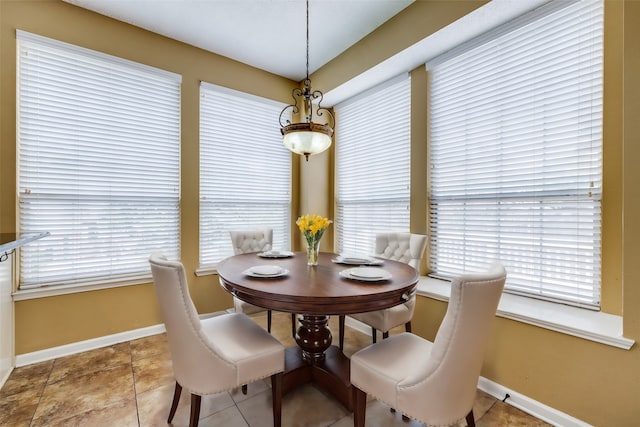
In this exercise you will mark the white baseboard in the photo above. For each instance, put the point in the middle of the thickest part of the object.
(357, 325)
(80, 346)
(530, 406)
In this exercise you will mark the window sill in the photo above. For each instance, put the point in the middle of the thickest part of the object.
(590, 325)
(206, 271)
(50, 291)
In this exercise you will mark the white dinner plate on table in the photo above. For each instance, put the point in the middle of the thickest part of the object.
(275, 254)
(366, 274)
(357, 260)
(266, 271)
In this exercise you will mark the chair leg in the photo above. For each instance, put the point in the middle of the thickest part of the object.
(276, 397)
(359, 407)
(374, 335)
(471, 421)
(174, 405)
(341, 331)
(294, 325)
(269, 321)
(407, 326)
(195, 410)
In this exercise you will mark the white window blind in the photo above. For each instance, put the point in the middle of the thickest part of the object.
(516, 154)
(245, 171)
(373, 149)
(99, 164)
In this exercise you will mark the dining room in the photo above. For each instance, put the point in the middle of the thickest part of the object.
(562, 346)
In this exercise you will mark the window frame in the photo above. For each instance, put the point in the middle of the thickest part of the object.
(373, 137)
(590, 191)
(261, 177)
(111, 191)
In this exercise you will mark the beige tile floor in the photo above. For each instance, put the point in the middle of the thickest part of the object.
(131, 384)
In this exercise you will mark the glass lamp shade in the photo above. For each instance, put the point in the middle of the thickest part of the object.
(307, 138)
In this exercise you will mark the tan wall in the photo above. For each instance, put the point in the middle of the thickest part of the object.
(631, 175)
(593, 382)
(612, 160)
(416, 22)
(49, 322)
(596, 383)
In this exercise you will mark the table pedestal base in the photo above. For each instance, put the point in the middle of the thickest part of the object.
(313, 337)
(331, 374)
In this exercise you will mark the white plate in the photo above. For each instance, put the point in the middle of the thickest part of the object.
(275, 254)
(366, 274)
(357, 260)
(266, 271)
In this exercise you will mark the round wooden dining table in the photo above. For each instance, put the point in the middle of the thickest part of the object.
(314, 293)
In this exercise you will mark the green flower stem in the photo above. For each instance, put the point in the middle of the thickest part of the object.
(313, 243)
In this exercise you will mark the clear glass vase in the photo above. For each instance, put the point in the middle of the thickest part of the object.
(313, 247)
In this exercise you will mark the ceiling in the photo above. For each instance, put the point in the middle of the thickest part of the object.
(271, 34)
(267, 34)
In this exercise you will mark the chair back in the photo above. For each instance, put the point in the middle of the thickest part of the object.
(403, 247)
(247, 241)
(450, 380)
(196, 364)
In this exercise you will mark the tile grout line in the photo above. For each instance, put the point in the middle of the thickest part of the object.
(44, 386)
(133, 378)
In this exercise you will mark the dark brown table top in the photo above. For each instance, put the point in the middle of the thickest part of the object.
(315, 289)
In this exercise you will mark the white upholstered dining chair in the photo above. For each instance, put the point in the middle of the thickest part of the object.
(434, 383)
(404, 247)
(248, 241)
(216, 354)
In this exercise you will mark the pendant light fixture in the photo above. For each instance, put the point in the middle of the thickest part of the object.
(306, 137)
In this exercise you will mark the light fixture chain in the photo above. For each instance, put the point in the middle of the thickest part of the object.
(307, 39)
(306, 137)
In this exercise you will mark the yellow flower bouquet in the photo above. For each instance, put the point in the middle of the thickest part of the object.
(312, 228)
